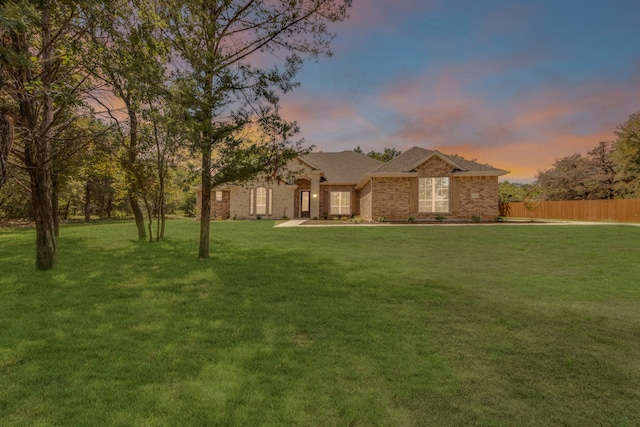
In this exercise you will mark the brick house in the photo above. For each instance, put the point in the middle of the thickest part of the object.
(418, 183)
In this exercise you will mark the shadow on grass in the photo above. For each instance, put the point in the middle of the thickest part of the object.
(127, 332)
(310, 326)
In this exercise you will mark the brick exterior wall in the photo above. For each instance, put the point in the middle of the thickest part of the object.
(434, 167)
(325, 199)
(282, 200)
(219, 209)
(364, 197)
(390, 198)
(397, 198)
(478, 195)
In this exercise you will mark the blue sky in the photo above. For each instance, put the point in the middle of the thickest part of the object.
(515, 84)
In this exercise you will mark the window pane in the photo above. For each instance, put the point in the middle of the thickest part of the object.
(261, 201)
(433, 194)
(340, 203)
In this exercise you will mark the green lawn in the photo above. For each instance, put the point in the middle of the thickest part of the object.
(347, 326)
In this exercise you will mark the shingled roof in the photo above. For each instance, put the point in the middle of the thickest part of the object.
(415, 156)
(346, 167)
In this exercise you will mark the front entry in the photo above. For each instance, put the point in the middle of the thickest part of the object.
(305, 204)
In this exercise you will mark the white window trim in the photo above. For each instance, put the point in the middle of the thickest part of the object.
(342, 208)
(261, 201)
(253, 201)
(431, 203)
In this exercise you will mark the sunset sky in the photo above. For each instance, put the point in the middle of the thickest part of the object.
(512, 83)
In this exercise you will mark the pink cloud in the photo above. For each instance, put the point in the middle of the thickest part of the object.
(329, 123)
(524, 133)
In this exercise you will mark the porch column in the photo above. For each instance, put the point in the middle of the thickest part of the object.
(315, 194)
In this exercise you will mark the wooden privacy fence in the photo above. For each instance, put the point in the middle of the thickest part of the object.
(619, 210)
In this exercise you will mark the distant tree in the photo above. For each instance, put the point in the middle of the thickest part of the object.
(128, 55)
(6, 141)
(579, 177)
(513, 191)
(384, 156)
(626, 155)
(602, 179)
(566, 180)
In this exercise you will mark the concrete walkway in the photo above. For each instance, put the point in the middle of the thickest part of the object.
(299, 222)
(292, 223)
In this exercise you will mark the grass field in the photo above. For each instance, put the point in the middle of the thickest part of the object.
(350, 326)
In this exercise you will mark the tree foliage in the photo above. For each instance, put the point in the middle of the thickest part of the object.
(229, 77)
(627, 157)
(384, 156)
(580, 177)
(41, 86)
(514, 192)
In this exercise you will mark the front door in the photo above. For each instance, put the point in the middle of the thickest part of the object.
(305, 204)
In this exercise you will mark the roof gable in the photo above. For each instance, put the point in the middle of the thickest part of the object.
(342, 167)
(409, 160)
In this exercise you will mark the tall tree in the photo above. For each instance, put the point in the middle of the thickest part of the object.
(40, 86)
(579, 177)
(627, 157)
(566, 180)
(130, 58)
(603, 174)
(224, 55)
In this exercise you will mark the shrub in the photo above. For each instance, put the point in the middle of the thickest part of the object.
(357, 219)
(380, 219)
(475, 218)
(440, 218)
(189, 204)
(412, 219)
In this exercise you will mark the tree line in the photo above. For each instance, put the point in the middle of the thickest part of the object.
(611, 170)
(109, 104)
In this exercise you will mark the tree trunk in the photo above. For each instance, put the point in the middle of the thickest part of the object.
(134, 187)
(162, 222)
(6, 140)
(101, 208)
(205, 209)
(138, 215)
(55, 206)
(87, 202)
(46, 250)
(150, 217)
(109, 204)
(38, 157)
